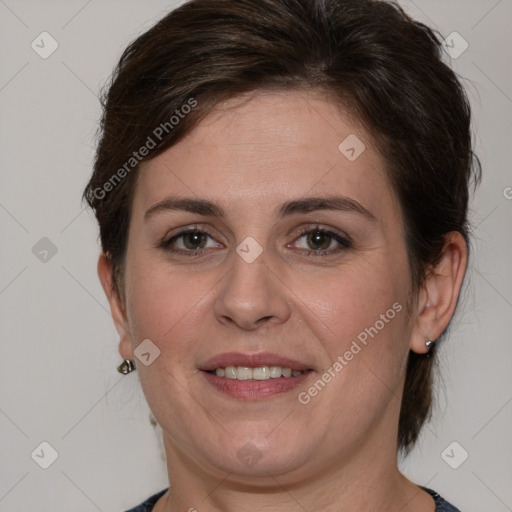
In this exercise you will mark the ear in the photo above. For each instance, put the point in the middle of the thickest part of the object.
(117, 307)
(438, 297)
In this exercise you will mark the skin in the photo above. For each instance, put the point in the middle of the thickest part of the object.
(338, 452)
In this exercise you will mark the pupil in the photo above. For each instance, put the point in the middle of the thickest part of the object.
(317, 237)
(194, 238)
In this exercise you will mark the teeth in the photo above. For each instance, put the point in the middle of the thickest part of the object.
(243, 373)
(230, 372)
(287, 372)
(259, 373)
(275, 372)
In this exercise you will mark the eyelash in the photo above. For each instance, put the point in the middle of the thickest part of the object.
(343, 241)
(165, 243)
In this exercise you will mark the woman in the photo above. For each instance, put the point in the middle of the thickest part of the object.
(282, 189)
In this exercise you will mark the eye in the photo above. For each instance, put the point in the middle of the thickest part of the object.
(190, 242)
(194, 242)
(319, 240)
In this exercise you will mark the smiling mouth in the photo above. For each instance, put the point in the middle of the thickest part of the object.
(256, 373)
(255, 376)
(260, 382)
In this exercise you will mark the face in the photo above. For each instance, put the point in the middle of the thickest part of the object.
(251, 271)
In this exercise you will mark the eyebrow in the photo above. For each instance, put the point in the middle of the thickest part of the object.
(309, 204)
(200, 206)
(299, 205)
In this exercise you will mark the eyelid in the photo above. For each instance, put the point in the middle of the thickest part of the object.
(344, 243)
(200, 228)
(196, 227)
(325, 229)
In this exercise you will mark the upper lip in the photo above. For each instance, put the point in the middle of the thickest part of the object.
(251, 360)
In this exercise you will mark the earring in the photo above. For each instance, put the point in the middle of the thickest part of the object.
(429, 345)
(127, 366)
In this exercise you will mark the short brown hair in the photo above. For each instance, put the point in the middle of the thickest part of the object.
(379, 63)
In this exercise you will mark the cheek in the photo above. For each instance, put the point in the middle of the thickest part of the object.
(359, 314)
(353, 297)
(167, 307)
(162, 302)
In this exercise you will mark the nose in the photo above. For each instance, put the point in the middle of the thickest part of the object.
(251, 295)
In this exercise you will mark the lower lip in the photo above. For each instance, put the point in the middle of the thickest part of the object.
(255, 389)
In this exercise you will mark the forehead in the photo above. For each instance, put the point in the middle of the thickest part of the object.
(263, 148)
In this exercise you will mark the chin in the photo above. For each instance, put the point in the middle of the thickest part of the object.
(253, 458)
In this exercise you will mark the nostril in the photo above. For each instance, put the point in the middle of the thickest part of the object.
(264, 319)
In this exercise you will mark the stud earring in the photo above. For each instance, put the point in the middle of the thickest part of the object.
(429, 344)
(126, 367)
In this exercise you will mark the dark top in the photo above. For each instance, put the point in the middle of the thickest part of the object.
(441, 504)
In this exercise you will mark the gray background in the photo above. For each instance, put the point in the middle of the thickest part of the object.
(59, 347)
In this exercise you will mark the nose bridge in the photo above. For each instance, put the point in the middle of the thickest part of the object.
(251, 291)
